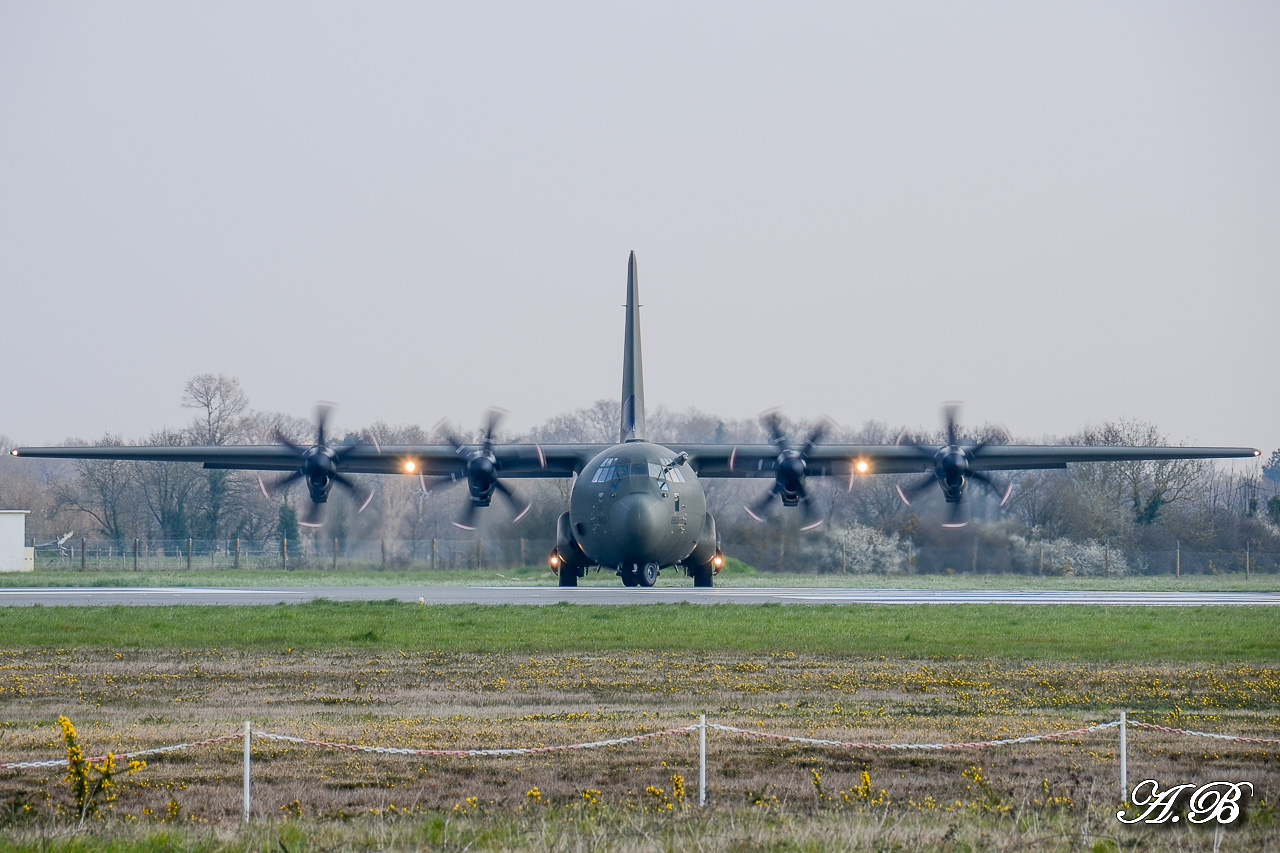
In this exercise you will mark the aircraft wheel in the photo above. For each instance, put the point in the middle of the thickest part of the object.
(568, 576)
(701, 575)
(629, 577)
(648, 575)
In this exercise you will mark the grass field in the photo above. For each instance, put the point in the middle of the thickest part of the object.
(736, 574)
(1033, 632)
(401, 674)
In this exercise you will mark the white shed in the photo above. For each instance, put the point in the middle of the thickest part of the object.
(15, 556)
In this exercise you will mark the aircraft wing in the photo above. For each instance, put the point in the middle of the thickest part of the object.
(829, 460)
(431, 460)
(709, 460)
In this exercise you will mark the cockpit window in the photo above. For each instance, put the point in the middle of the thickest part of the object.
(609, 471)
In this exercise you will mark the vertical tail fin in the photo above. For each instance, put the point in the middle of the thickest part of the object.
(632, 363)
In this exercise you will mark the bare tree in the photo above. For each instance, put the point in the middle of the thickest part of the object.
(221, 405)
(1148, 486)
(103, 490)
(220, 402)
(168, 488)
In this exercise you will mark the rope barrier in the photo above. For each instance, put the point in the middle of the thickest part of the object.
(621, 741)
(1215, 735)
(915, 746)
(527, 750)
(156, 750)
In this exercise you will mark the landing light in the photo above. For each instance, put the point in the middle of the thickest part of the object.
(410, 467)
(862, 466)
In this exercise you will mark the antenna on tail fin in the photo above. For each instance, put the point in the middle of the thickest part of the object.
(632, 363)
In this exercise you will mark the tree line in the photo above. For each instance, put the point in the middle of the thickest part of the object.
(1134, 506)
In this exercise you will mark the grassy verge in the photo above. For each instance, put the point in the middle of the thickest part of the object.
(1211, 634)
(737, 574)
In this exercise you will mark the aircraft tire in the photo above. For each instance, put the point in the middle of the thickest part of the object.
(648, 574)
(701, 575)
(568, 576)
(629, 577)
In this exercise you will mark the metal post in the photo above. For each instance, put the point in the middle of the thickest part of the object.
(1177, 560)
(384, 555)
(284, 554)
(246, 771)
(1042, 559)
(237, 552)
(1246, 557)
(479, 552)
(189, 543)
(335, 553)
(1106, 565)
(702, 759)
(433, 554)
(136, 544)
(1124, 757)
(84, 566)
(522, 562)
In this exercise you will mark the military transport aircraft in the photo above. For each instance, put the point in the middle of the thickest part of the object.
(637, 507)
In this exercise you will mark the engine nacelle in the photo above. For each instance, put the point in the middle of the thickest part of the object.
(708, 546)
(568, 554)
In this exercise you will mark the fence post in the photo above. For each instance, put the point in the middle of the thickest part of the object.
(479, 552)
(702, 760)
(189, 549)
(1246, 556)
(1124, 757)
(136, 544)
(335, 553)
(1041, 559)
(433, 554)
(246, 771)
(384, 555)
(84, 564)
(237, 552)
(284, 554)
(1177, 559)
(522, 562)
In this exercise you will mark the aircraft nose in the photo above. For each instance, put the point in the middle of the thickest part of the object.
(640, 519)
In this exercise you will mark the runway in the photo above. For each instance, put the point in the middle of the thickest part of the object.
(543, 595)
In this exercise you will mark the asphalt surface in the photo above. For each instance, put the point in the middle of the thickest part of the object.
(107, 596)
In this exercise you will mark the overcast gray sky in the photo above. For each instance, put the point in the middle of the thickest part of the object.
(1058, 213)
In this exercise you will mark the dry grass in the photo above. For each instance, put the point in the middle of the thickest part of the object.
(761, 793)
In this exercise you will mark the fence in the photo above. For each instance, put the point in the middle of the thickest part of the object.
(493, 552)
(702, 727)
(453, 553)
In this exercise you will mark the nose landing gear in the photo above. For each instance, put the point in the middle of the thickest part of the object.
(637, 575)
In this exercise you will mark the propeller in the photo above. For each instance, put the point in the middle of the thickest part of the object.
(481, 475)
(952, 469)
(790, 469)
(318, 465)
